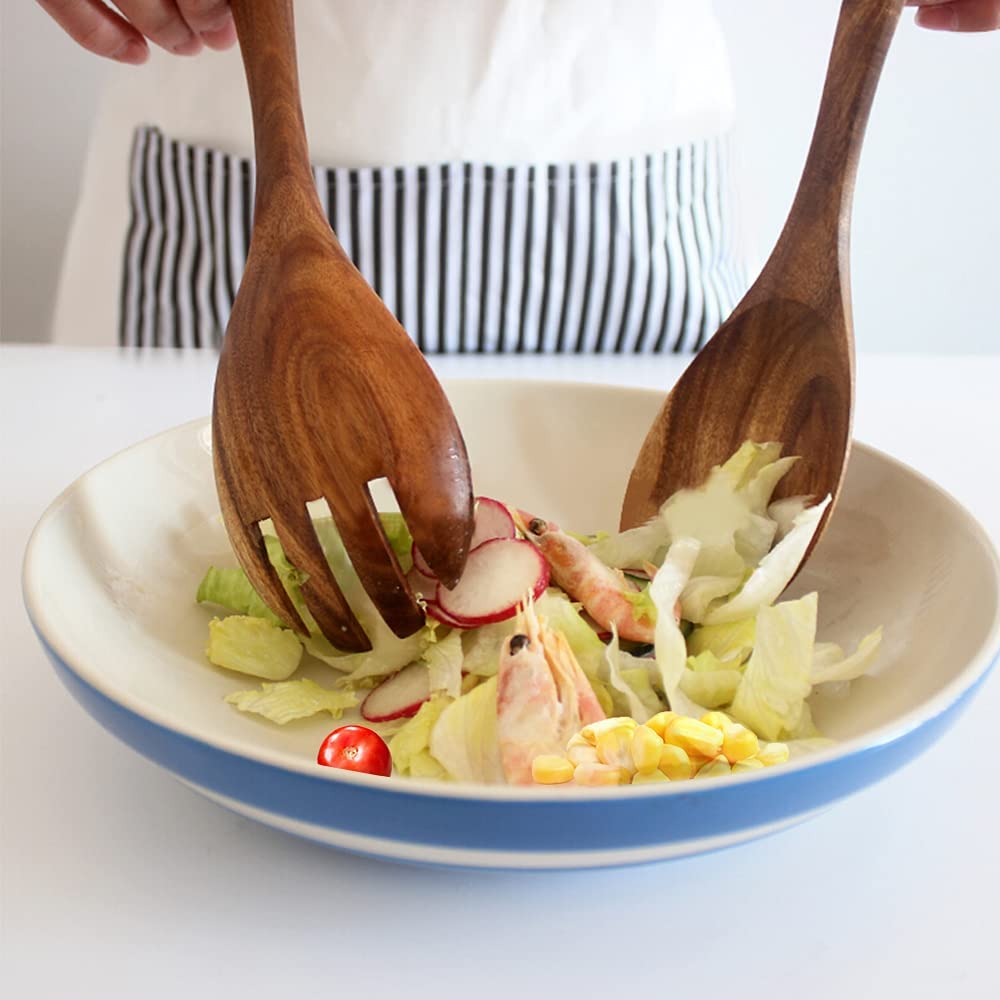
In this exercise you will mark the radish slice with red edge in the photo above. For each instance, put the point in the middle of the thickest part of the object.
(435, 611)
(497, 576)
(423, 586)
(492, 520)
(420, 564)
(399, 696)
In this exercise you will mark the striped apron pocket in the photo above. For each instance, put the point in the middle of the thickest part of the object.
(638, 255)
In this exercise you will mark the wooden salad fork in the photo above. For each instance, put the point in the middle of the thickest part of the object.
(781, 368)
(319, 390)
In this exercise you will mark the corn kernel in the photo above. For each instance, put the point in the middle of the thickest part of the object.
(551, 769)
(578, 740)
(717, 768)
(750, 764)
(613, 747)
(601, 774)
(738, 743)
(583, 755)
(717, 720)
(674, 763)
(659, 722)
(593, 731)
(694, 736)
(649, 778)
(773, 753)
(645, 749)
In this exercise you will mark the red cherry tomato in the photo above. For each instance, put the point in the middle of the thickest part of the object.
(356, 748)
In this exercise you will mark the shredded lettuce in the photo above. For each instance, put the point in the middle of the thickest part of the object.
(465, 739)
(231, 589)
(775, 571)
(784, 512)
(444, 663)
(671, 651)
(731, 642)
(399, 538)
(748, 460)
(701, 592)
(830, 664)
(481, 647)
(389, 652)
(630, 679)
(629, 549)
(726, 514)
(288, 700)
(711, 688)
(410, 746)
(771, 695)
(253, 646)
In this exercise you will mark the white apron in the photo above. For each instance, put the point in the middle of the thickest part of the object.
(510, 175)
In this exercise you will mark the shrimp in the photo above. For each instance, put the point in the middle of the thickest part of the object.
(543, 696)
(602, 591)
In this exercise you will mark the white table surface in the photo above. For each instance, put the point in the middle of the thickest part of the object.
(119, 882)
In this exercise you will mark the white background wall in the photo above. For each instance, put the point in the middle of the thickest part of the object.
(926, 245)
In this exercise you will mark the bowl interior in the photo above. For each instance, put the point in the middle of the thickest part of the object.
(113, 570)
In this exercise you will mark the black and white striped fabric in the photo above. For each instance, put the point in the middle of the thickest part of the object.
(632, 256)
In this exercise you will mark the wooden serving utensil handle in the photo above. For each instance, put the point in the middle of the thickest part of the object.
(266, 33)
(821, 212)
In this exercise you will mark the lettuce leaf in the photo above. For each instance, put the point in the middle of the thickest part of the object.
(253, 646)
(410, 746)
(830, 664)
(701, 591)
(770, 698)
(775, 571)
(231, 589)
(636, 696)
(748, 460)
(444, 663)
(630, 549)
(465, 739)
(731, 641)
(711, 688)
(288, 700)
(389, 652)
(784, 512)
(671, 651)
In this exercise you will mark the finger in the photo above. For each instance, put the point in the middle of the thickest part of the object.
(959, 15)
(98, 29)
(211, 20)
(161, 22)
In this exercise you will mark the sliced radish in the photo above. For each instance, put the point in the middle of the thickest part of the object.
(435, 611)
(498, 575)
(493, 520)
(398, 696)
(421, 585)
(420, 563)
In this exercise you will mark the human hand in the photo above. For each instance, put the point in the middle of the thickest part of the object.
(183, 27)
(957, 15)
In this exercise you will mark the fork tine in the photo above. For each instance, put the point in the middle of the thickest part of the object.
(322, 594)
(248, 542)
(374, 561)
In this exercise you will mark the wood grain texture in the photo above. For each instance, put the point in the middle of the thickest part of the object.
(319, 389)
(781, 368)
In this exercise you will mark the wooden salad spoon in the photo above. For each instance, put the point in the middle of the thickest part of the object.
(781, 368)
(319, 390)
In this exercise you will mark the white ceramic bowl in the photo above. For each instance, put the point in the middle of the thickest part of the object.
(111, 572)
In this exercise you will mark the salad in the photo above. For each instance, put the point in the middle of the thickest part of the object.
(656, 654)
